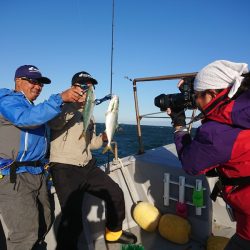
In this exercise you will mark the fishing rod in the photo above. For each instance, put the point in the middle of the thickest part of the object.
(112, 48)
(111, 60)
(111, 65)
(109, 96)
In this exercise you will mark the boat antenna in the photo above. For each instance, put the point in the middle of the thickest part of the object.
(112, 47)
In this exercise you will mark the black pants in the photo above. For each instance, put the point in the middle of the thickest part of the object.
(70, 183)
(238, 243)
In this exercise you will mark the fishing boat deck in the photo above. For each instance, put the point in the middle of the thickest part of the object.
(146, 173)
(141, 178)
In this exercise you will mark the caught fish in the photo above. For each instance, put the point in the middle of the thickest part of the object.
(111, 121)
(88, 110)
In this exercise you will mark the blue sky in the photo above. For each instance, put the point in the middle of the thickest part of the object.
(151, 38)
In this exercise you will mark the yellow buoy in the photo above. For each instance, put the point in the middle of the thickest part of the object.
(216, 243)
(147, 216)
(174, 228)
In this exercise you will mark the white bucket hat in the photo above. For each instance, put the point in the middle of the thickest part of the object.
(221, 74)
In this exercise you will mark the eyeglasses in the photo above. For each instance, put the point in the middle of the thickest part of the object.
(32, 81)
(83, 86)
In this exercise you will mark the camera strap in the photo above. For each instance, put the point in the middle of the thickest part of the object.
(196, 118)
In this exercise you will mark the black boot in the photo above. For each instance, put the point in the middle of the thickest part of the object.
(125, 238)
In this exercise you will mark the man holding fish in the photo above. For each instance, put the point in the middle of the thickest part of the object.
(74, 170)
(24, 200)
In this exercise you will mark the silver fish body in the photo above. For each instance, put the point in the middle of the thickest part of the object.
(111, 121)
(88, 110)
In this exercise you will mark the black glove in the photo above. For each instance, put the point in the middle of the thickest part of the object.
(178, 117)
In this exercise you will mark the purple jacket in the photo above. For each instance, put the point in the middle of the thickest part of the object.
(214, 143)
(222, 141)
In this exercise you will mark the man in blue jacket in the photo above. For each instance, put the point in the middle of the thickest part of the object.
(24, 202)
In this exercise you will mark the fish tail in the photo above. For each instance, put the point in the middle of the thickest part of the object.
(81, 135)
(107, 148)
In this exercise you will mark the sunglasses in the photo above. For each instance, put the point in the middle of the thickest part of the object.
(33, 81)
(83, 86)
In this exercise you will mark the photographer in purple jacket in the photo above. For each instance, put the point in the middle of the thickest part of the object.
(221, 146)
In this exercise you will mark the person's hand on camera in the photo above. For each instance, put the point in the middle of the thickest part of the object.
(180, 83)
(178, 116)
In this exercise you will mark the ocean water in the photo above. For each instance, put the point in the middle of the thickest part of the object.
(127, 140)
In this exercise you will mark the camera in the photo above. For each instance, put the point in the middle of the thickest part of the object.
(183, 100)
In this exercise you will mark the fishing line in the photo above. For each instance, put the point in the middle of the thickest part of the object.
(129, 183)
(109, 96)
(112, 48)
(111, 59)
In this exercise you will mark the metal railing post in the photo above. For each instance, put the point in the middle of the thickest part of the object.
(138, 120)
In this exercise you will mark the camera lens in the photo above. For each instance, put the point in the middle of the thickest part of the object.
(162, 102)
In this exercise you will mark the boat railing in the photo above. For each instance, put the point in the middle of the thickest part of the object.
(138, 116)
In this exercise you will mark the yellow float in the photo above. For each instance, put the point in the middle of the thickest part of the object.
(216, 243)
(174, 228)
(147, 216)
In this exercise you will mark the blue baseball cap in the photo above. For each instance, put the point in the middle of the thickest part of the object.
(31, 72)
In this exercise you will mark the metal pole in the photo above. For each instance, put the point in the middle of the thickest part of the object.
(138, 120)
(166, 77)
(115, 159)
